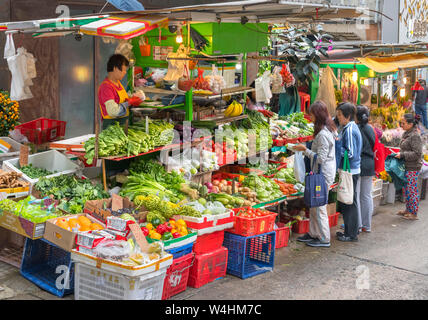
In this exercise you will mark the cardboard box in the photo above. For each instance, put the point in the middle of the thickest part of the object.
(21, 226)
(61, 237)
(96, 209)
(331, 208)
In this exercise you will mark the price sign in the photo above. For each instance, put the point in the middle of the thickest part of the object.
(139, 237)
(117, 202)
(23, 155)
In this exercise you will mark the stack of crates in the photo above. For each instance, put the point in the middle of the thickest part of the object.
(210, 261)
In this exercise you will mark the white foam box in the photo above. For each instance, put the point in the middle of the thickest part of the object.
(51, 160)
(13, 151)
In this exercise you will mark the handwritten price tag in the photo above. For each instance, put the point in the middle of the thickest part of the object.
(139, 237)
(23, 155)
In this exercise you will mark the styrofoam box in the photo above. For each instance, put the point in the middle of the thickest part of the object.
(51, 160)
(92, 283)
(14, 152)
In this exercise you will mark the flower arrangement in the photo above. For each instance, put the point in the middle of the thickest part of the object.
(392, 137)
(9, 113)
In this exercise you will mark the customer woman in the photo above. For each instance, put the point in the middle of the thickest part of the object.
(323, 147)
(411, 153)
(364, 196)
(350, 137)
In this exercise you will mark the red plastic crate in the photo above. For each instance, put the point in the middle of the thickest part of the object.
(208, 267)
(208, 242)
(42, 130)
(333, 219)
(282, 235)
(177, 276)
(246, 227)
(301, 226)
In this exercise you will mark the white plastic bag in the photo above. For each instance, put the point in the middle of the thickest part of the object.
(299, 166)
(262, 84)
(276, 80)
(9, 48)
(215, 80)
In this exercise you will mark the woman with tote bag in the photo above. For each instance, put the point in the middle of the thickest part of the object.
(351, 139)
(322, 152)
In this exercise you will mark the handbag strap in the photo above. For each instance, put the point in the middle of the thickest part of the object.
(346, 165)
(313, 164)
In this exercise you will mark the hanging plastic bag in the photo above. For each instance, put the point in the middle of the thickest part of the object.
(215, 80)
(262, 86)
(177, 68)
(326, 91)
(287, 77)
(299, 166)
(125, 48)
(200, 83)
(9, 48)
(276, 80)
(185, 83)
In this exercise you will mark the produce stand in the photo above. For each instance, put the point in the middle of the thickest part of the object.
(167, 226)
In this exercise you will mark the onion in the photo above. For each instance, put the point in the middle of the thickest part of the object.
(209, 185)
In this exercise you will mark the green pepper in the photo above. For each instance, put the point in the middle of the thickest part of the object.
(167, 236)
(156, 221)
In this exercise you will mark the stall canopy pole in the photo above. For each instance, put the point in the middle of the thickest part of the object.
(96, 102)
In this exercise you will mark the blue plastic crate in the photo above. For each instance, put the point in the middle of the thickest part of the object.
(249, 256)
(46, 265)
(181, 251)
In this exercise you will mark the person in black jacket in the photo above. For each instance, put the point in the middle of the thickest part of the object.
(365, 182)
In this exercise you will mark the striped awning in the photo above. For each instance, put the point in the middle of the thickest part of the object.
(124, 26)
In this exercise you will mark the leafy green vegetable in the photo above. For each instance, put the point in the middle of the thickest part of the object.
(35, 173)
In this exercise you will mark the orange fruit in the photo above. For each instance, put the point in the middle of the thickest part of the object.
(62, 223)
(96, 226)
(84, 222)
(73, 223)
(85, 228)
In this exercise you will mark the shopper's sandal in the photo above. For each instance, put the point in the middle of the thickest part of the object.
(402, 213)
(410, 216)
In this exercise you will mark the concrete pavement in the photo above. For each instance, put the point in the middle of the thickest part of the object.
(389, 263)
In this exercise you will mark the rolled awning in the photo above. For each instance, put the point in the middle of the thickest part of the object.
(392, 64)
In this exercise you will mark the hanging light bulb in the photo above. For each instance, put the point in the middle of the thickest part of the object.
(179, 38)
(355, 76)
(366, 82)
(402, 92)
(238, 66)
(405, 80)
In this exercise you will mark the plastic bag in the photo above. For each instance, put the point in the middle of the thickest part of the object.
(200, 82)
(9, 49)
(114, 250)
(196, 205)
(18, 136)
(397, 170)
(299, 166)
(184, 82)
(262, 86)
(326, 91)
(125, 48)
(177, 68)
(216, 207)
(277, 82)
(287, 77)
(215, 80)
(158, 75)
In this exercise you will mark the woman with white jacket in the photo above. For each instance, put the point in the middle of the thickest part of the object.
(323, 147)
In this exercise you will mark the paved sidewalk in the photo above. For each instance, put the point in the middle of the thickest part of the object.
(389, 263)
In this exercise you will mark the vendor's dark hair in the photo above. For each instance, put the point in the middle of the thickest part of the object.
(363, 114)
(412, 118)
(322, 117)
(117, 60)
(348, 110)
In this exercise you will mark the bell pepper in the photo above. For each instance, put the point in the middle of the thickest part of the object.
(180, 223)
(145, 231)
(184, 232)
(173, 230)
(176, 235)
(167, 236)
(168, 227)
(172, 223)
(161, 229)
(149, 226)
(156, 236)
(156, 222)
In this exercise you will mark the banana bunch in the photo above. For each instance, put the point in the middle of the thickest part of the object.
(234, 109)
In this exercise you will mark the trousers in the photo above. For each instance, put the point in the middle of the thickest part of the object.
(412, 194)
(319, 226)
(350, 212)
(365, 202)
(422, 111)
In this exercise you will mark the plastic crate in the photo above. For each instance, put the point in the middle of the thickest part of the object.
(180, 251)
(93, 283)
(208, 267)
(48, 267)
(177, 276)
(252, 226)
(208, 242)
(42, 130)
(282, 235)
(250, 256)
(301, 226)
(333, 219)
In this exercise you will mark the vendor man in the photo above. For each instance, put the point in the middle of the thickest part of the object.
(113, 99)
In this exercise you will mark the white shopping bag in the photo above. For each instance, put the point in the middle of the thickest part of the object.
(345, 188)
